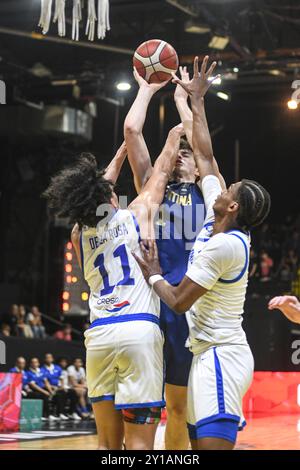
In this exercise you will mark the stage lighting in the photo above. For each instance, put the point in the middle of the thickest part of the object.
(223, 95)
(218, 42)
(68, 268)
(292, 104)
(123, 86)
(65, 306)
(194, 26)
(66, 295)
(236, 69)
(84, 296)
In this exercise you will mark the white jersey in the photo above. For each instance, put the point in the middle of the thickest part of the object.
(211, 189)
(220, 265)
(117, 286)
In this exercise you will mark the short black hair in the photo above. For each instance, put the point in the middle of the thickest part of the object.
(254, 204)
(76, 192)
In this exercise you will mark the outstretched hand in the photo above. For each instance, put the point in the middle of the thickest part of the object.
(149, 264)
(180, 92)
(201, 81)
(289, 305)
(142, 82)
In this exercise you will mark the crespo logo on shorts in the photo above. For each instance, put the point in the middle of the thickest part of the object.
(2, 92)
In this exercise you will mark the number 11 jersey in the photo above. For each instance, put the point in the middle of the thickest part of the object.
(117, 285)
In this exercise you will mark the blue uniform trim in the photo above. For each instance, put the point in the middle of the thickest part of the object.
(219, 383)
(223, 428)
(125, 318)
(141, 405)
(102, 398)
(236, 279)
(136, 226)
(81, 254)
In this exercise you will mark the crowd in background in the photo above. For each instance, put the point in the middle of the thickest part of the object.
(17, 322)
(275, 255)
(274, 265)
(61, 387)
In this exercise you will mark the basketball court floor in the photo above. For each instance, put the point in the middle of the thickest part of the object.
(263, 432)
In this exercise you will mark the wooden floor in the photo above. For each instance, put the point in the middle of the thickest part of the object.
(261, 433)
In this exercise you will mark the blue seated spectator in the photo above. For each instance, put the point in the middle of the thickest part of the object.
(40, 386)
(52, 371)
(19, 368)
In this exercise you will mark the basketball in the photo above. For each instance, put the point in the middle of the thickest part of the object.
(155, 60)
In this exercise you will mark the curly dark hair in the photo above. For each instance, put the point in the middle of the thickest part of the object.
(76, 192)
(254, 204)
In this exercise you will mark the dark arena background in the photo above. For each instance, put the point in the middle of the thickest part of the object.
(64, 97)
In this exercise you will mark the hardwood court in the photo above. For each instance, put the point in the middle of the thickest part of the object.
(261, 433)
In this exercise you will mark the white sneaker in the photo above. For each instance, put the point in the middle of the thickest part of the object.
(75, 416)
(44, 419)
(53, 418)
(63, 417)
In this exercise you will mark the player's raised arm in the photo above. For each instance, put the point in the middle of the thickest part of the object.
(112, 172)
(138, 154)
(148, 201)
(181, 102)
(201, 139)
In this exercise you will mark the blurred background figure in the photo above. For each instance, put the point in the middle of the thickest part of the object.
(77, 379)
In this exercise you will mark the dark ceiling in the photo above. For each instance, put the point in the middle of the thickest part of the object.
(264, 38)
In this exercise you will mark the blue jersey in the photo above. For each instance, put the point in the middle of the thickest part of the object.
(24, 373)
(37, 376)
(177, 225)
(53, 374)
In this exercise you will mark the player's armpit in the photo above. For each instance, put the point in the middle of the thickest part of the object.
(179, 298)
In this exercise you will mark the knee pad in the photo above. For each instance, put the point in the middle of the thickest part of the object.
(142, 415)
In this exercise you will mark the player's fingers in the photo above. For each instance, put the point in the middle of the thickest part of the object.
(217, 77)
(294, 307)
(136, 74)
(203, 66)
(155, 249)
(282, 300)
(151, 249)
(143, 249)
(139, 260)
(196, 66)
(211, 69)
(274, 300)
(177, 81)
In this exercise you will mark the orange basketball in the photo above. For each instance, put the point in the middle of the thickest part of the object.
(155, 60)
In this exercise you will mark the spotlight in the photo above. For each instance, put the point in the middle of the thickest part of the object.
(223, 95)
(292, 104)
(236, 69)
(84, 296)
(218, 42)
(194, 26)
(123, 86)
(66, 295)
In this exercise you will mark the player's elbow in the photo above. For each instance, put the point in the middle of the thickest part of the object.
(130, 129)
(179, 307)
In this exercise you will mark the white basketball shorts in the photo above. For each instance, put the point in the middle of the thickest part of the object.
(219, 378)
(125, 364)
